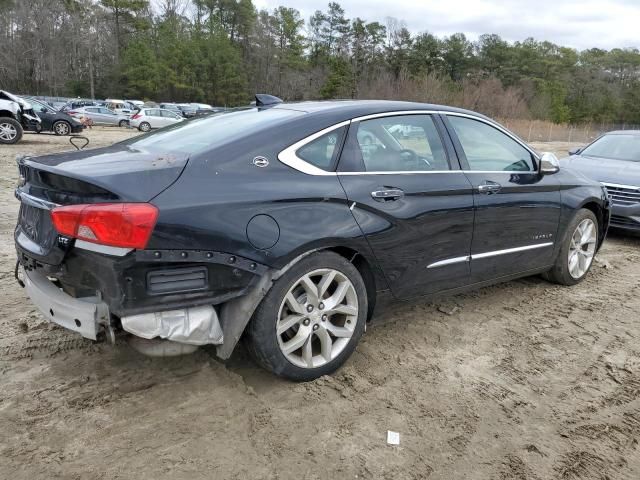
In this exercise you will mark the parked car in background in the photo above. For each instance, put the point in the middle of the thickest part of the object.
(201, 106)
(171, 106)
(136, 103)
(277, 223)
(120, 106)
(79, 103)
(60, 123)
(100, 116)
(188, 110)
(148, 118)
(16, 117)
(613, 159)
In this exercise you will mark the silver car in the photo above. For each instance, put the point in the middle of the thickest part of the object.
(101, 116)
(148, 118)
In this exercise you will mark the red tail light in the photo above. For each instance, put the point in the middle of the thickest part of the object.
(71, 112)
(137, 115)
(126, 225)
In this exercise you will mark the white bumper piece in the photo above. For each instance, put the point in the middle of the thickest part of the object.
(193, 326)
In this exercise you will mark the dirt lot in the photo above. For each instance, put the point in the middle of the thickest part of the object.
(525, 380)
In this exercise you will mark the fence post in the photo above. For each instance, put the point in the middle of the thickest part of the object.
(530, 127)
(550, 130)
(586, 133)
(570, 132)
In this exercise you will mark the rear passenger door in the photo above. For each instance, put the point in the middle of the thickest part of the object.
(517, 208)
(411, 200)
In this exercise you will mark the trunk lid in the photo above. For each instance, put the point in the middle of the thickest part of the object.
(113, 174)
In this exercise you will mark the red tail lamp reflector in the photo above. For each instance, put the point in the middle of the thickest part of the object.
(126, 225)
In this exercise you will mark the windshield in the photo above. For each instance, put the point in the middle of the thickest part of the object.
(200, 134)
(616, 146)
(38, 103)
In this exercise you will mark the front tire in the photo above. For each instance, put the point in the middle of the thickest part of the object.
(578, 249)
(310, 321)
(61, 128)
(10, 131)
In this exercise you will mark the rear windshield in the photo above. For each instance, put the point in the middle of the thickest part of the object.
(200, 134)
(618, 147)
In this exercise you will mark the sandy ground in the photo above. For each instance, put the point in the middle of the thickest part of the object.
(525, 380)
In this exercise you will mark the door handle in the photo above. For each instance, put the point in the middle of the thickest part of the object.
(387, 194)
(489, 188)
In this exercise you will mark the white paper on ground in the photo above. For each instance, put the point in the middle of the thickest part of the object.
(393, 438)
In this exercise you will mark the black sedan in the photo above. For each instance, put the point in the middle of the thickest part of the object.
(614, 160)
(281, 225)
(55, 121)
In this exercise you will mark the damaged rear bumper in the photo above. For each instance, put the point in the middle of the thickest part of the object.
(87, 316)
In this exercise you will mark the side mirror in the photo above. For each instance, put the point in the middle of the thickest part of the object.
(575, 151)
(549, 164)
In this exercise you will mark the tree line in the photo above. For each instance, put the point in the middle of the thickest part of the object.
(224, 51)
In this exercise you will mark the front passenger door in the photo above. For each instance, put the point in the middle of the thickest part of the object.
(517, 208)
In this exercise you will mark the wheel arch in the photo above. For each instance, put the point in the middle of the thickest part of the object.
(366, 271)
(602, 215)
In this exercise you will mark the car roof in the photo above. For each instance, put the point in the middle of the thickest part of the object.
(355, 108)
(623, 132)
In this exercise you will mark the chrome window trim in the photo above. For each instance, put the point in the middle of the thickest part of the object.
(495, 253)
(289, 156)
(399, 172)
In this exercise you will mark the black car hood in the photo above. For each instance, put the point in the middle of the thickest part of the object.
(605, 170)
(131, 174)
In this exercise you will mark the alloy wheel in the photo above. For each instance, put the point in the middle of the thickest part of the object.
(582, 248)
(61, 128)
(8, 132)
(317, 318)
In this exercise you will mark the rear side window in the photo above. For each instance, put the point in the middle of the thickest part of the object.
(323, 150)
(488, 149)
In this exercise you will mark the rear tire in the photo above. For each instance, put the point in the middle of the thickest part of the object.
(10, 131)
(577, 251)
(123, 123)
(144, 127)
(310, 321)
(61, 128)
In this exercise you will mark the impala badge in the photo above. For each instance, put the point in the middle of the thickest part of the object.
(261, 162)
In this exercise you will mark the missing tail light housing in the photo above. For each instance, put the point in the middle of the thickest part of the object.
(127, 225)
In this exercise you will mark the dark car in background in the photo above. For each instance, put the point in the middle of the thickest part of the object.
(54, 120)
(279, 225)
(78, 103)
(16, 117)
(188, 111)
(613, 159)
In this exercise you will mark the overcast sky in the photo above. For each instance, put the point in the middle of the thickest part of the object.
(574, 23)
